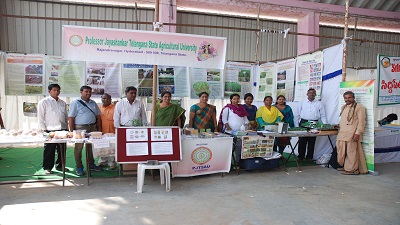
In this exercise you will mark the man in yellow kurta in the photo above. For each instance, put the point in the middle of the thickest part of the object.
(107, 114)
(351, 127)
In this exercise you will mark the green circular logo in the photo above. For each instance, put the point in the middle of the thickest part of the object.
(201, 155)
(75, 40)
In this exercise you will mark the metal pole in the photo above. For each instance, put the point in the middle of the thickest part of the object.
(155, 70)
(257, 34)
(346, 31)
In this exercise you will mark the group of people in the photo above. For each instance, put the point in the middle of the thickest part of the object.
(84, 114)
(235, 115)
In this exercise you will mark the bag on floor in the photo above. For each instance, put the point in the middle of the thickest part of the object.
(333, 161)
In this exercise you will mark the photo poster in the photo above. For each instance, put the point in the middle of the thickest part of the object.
(139, 76)
(265, 81)
(174, 79)
(257, 146)
(285, 73)
(364, 94)
(238, 79)
(68, 74)
(206, 80)
(24, 74)
(103, 78)
(308, 75)
(389, 80)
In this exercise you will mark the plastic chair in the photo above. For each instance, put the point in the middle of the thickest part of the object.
(165, 177)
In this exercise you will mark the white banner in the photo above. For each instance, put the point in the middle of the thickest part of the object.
(142, 47)
(389, 80)
(203, 156)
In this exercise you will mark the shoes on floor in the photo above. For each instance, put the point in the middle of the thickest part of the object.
(340, 169)
(309, 160)
(351, 172)
(60, 169)
(47, 172)
(79, 171)
(95, 168)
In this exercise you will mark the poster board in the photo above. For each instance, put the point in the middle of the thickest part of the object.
(389, 80)
(140, 144)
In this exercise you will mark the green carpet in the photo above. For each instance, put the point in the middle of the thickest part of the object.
(26, 164)
(292, 161)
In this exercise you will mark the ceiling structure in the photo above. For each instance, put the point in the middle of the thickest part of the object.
(383, 15)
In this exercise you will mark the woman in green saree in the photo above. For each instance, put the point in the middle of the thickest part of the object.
(202, 114)
(169, 114)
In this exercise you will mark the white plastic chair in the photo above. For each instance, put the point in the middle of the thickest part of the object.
(165, 177)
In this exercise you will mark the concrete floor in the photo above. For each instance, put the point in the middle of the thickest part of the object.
(316, 195)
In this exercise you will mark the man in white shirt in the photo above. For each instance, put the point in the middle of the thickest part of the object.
(52, 115)
(129, 111)
(309, 110)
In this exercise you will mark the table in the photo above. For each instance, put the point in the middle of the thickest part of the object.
(303, 134)
(60, 142)
(386, 145)
(203, 156)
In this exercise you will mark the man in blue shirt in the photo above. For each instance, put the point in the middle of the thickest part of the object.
(84, 114)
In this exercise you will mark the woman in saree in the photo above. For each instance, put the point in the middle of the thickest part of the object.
(251, 109)
(233, 115)
(268, 114)
(202, 114)
(287, 118)
(286, 110)
(169, 114)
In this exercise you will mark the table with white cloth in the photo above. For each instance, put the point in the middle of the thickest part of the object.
(387, 144)
(38, 140)
(202, 156)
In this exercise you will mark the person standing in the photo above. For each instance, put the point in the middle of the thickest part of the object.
(52, 116)
(351, 127)
(169, 114)
(107, 126)
(268, 114)
(203, 115)
(129, 111)
(107, 114)
(84, 114)
(251, 109)
(309, 110)
(234, 115)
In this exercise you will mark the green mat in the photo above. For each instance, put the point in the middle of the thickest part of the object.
(26, 164)
(292, 161)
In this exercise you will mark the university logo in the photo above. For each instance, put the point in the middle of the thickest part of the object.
(201, 155)
(75, 40)
(206, 51)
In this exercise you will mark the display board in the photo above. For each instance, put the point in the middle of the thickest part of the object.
(206, 80)
(266, 80)
(308, 75)
(140, 144)
(389, 80)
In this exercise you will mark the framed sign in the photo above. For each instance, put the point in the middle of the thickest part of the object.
(141, 144)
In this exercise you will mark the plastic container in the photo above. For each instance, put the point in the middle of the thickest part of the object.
(79, 134)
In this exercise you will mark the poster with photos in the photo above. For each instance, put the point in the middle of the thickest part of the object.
(136, 135)
(257, 146)
(24, 74)
(161, 134)
(308, 75)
